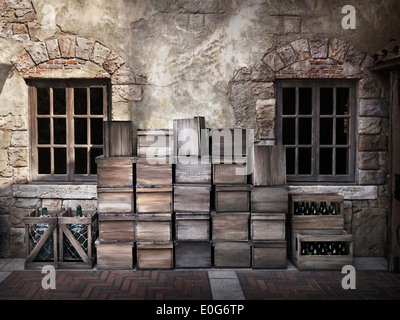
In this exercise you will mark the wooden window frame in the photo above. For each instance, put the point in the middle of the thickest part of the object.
(69, 85)
(315, 177)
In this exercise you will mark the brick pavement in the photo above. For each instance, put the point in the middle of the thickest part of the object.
(195, 285)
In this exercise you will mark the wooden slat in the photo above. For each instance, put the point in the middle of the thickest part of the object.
(188, 136)
(269, 165)
(117, 138)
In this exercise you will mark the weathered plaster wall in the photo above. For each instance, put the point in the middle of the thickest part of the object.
(186, 57)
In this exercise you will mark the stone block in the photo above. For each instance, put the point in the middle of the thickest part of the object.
(19, 157)
(52, 204)
(355, 56)
(369, 231)
(338, 49)
(84, 48)
(287, 54)
(123, 75)
(17, 243)
(113, 62)
(274, 61)
(368, 160)
(368, 89)
(99, 54)
(67, 46)
(53, 49)
(23, 62)
(27, 203)
(369, 125)
(266, 129)
(263, 90)
(372, 142)
(319, 47)
(85, 204)
(302, 49)
(5, 204)
(4, 236)
(54, 191)
(374, 108)
(371, 177)
(19, 139)
(261, 72)
(38, 52)
(121, 93)
(265, 109)
(17, 216)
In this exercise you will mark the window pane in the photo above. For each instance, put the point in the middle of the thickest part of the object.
(325, 161)
(80, 130)
(289, 100)
(342, 161)
(96, 130)
(59, 101)
(80, 101)
(43, 126)
(290, 160)
(43, 100)
(44, 161)
(94, 152)
(80, 161)
(96, 101)
(60, 160)
(342, 101)
(289, 130)
(60, 131)
(326, 131)
(326, 101)
(304, 161)
(305, 130)
(305, 100)
(342, 131)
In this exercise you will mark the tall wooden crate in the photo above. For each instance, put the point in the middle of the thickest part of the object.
(190, 137)
(117, 138)
(269, 165)
(77, 237)
(155, 143)
(41, 234)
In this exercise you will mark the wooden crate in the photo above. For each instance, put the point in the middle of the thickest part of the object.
(232, 254)
(268, 226)
(116, 172)
(193, 254)
(76, 239)
(232, 198)
(192, 197)
(41, 234)
(225, 173)
(321, 262)
(230, 226)
(114, 255)
(190, 137)
(117, 138)
(117, 227)
(117, 200)
(269, 199)
(317, 222)
(152, 255)
(154, 143)
(154, 200)
(193, 170)
(192, 226)
(153, 172)
(153, 227)
(227, 143)
(269, 165)
(269, 255)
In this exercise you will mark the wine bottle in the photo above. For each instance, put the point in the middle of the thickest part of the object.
(296, 209)
(314, 210)
(79, 211)
(302, 208)
(333, 208)
(307, 212)
(44, 212)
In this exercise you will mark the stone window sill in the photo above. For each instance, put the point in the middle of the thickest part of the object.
(56, 191)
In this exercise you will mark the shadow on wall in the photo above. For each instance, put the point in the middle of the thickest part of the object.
(4, 71)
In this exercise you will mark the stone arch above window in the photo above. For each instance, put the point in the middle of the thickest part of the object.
(80, 57)
(252, 89)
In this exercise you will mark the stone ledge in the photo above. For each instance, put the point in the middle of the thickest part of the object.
(348, 192)
(55, 191)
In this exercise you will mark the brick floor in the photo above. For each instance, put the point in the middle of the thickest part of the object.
(195, 285)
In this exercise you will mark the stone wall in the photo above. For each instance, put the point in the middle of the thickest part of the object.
(171, 59)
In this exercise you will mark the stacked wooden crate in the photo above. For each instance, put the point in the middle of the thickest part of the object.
(319, 241)
(269, 207)
(115, 198)
(230, 218)
(192, 194)
(154, 205)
